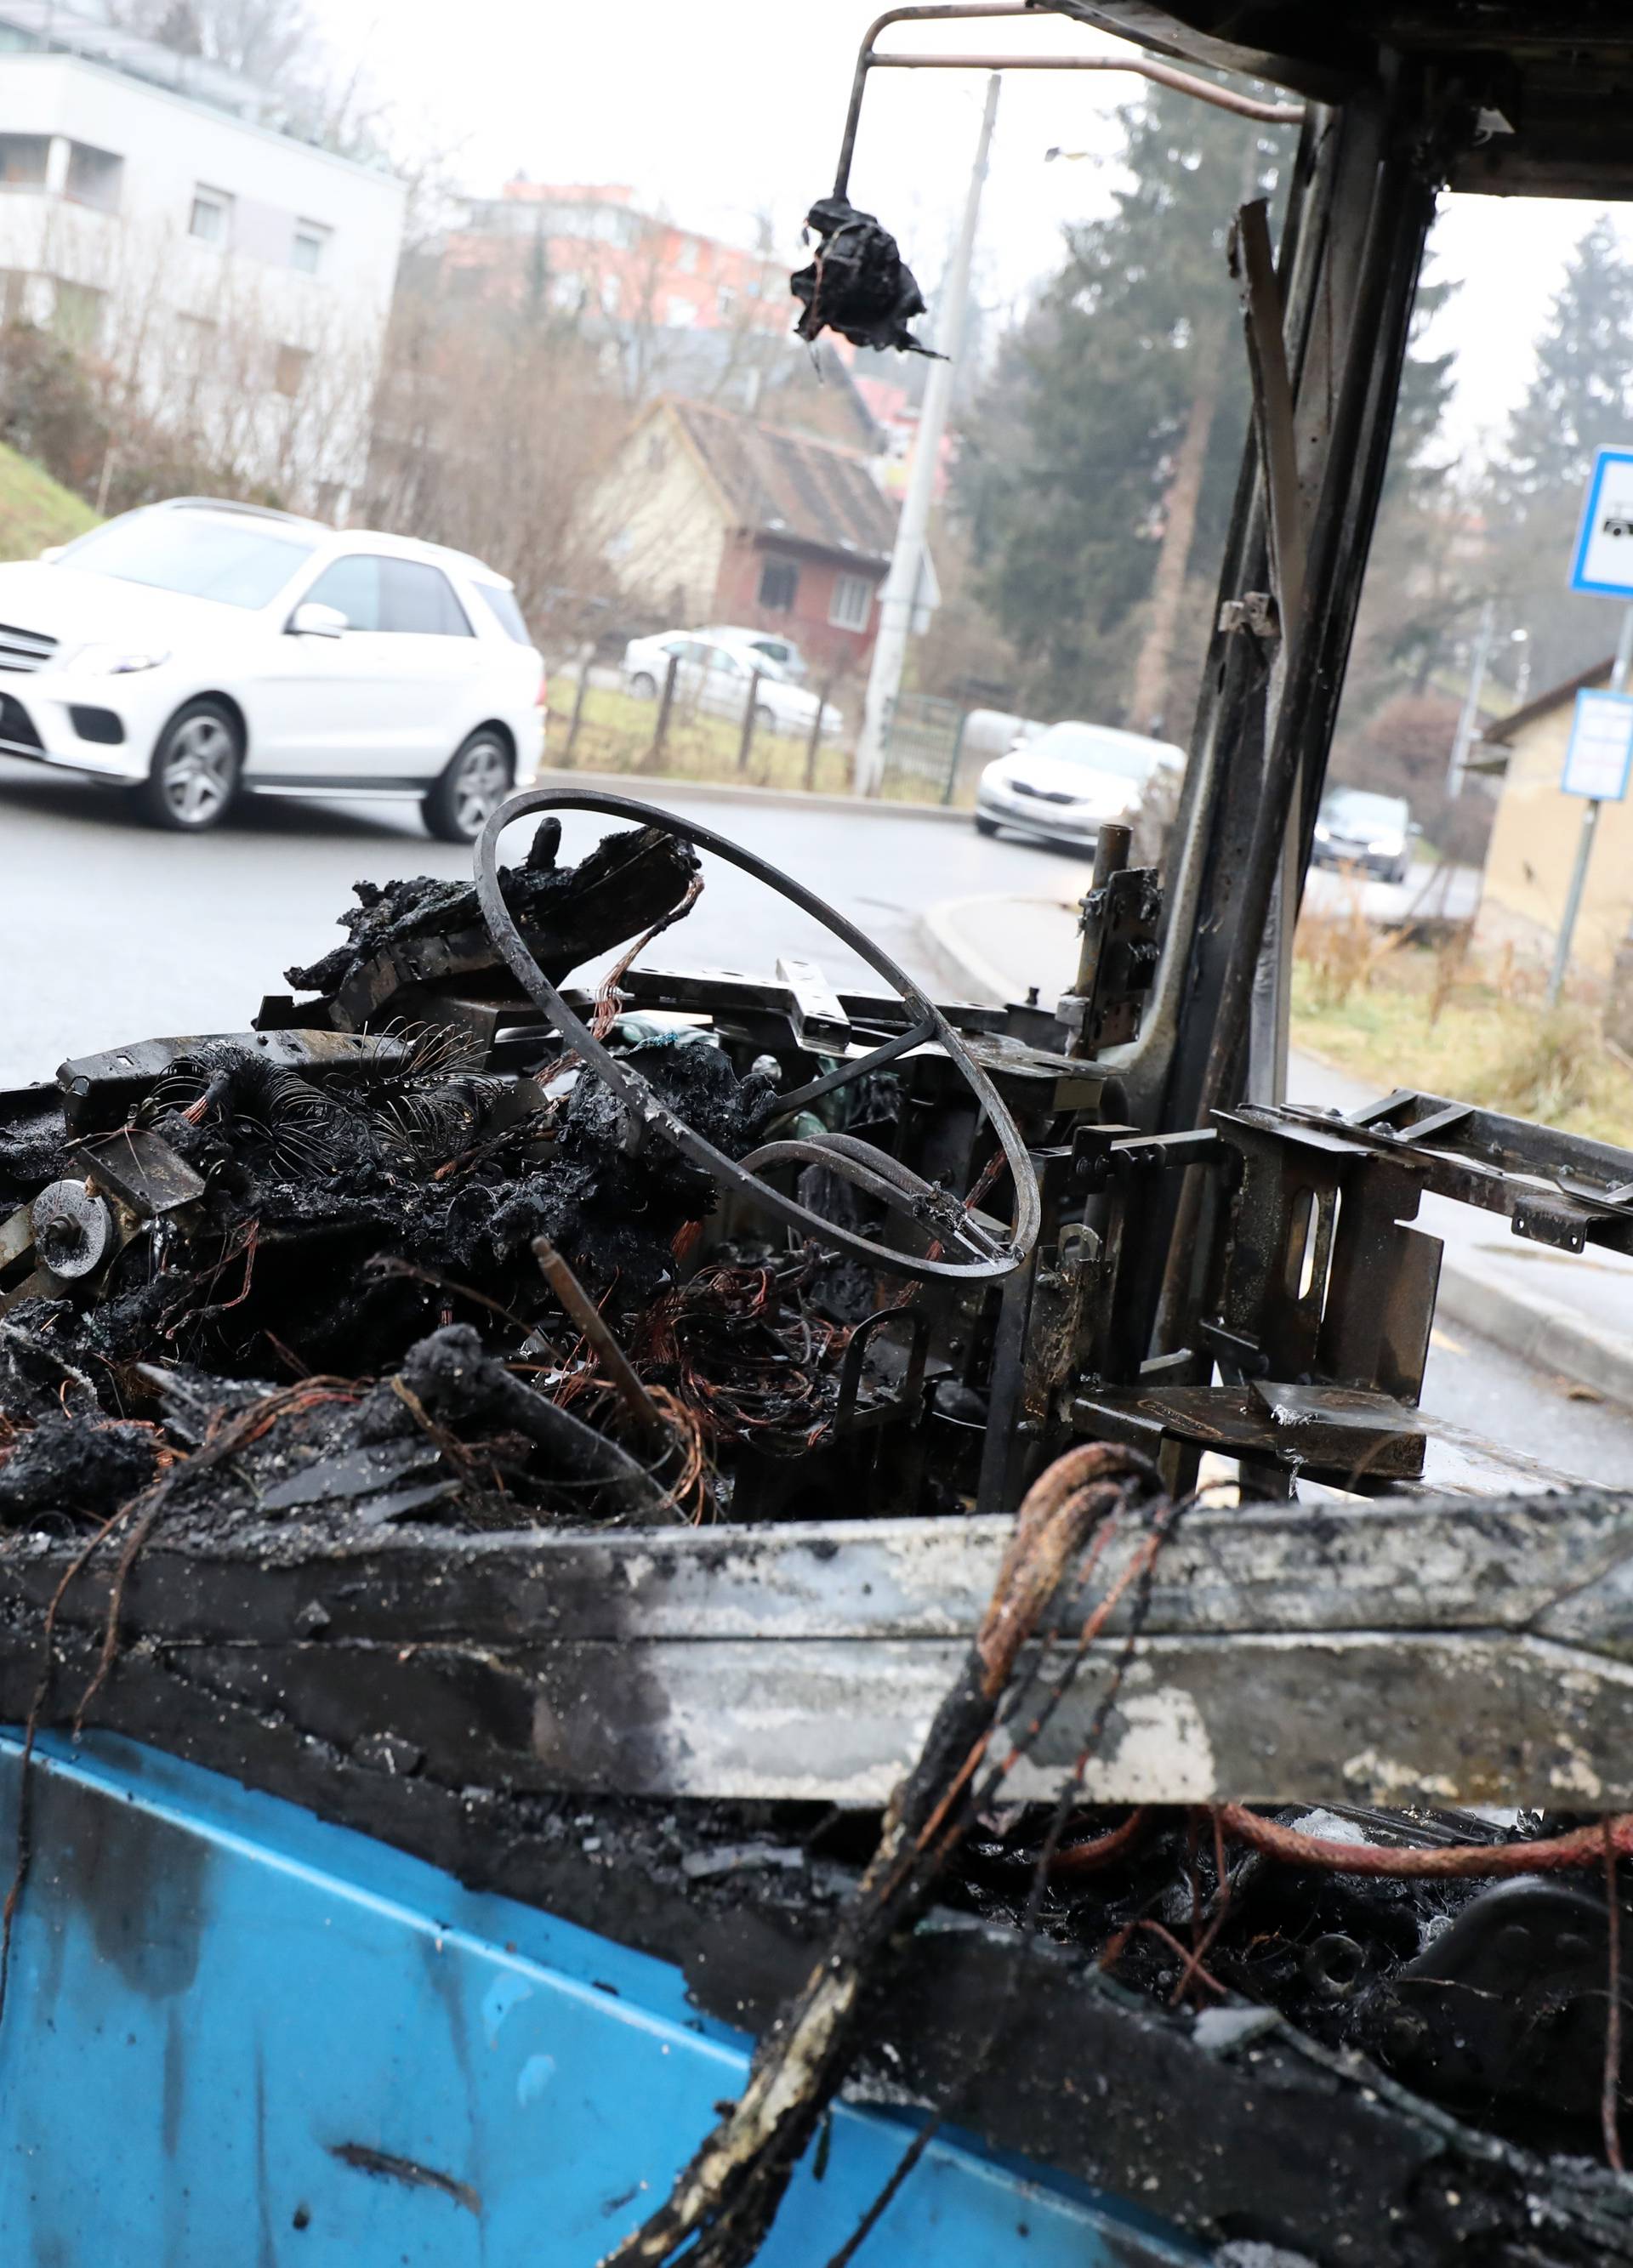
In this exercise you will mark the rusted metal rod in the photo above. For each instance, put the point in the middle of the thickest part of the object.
(1202, 90)
(751, 714)
(666, 702)
(586, 654)
(813, 746)
(609, 1355)
(1221, 98)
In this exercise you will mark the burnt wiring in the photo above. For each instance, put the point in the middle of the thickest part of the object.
(740, 1350)
(723, 2202)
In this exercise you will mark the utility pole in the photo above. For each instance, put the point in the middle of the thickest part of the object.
(1457, 766)
(901, 585)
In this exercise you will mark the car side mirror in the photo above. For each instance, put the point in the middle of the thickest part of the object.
(313, 619)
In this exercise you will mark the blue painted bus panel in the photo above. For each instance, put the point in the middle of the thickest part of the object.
(234, 2033)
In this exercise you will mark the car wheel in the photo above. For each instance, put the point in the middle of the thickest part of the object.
(984, 826)
(194, 775)
(470, 790)
(644, 687)
(765, 718)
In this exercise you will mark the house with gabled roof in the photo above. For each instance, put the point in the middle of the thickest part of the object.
(717, 516)
(1535, 835)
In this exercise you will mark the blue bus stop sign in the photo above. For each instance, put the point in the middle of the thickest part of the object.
(1602, 563)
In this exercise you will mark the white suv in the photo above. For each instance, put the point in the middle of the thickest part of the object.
(194, 649)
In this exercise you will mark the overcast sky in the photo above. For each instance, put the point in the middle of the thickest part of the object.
(723, 109)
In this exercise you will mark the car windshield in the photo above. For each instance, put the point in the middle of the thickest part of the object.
(201, 554)
(1354, 812)
(1095, 751)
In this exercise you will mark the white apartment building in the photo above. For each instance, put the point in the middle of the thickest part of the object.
(238, 279)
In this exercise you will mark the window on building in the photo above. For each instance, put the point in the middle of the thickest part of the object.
(308, 248)
(725, 300)
(95, 177)
(680, 314)
(419, 600)
(852, 602)
(76, 314)
(211, 219)
(686, 255)
(566, 293)
(289, 369)
(779, 584)
(609, 295)
(23, 161)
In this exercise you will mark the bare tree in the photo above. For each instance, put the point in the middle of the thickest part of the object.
(278, 46)
(493, 433)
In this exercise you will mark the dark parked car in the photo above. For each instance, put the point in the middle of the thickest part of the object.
(1357, 829)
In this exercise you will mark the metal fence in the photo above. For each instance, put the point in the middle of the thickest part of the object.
(922, 738)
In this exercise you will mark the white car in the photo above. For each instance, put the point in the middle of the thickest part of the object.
(1068, 781)
(195, 649)
(790, 661)
(718, 678)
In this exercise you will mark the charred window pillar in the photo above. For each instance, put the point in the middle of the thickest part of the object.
(1361, 203)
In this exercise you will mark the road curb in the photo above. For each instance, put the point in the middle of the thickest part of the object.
(1536, 1329)
(1539, 1330)
(957, 962)
(644, 787)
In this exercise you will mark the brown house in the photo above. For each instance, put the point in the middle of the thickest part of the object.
(716, 517)
(1534, 838)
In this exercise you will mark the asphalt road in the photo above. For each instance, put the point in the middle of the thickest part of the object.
(111, 931)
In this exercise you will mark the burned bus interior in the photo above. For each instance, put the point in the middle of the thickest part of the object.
(835, 1486)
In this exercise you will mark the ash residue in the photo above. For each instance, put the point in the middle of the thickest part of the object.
(577, 910)
(75, 1465)
(359, 1213)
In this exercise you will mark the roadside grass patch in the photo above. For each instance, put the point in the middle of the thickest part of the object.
(1418, 1018)
(35, 510)
(615, 735)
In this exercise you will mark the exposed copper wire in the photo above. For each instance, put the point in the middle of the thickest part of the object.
(1459, 1861)
(1100, 1849)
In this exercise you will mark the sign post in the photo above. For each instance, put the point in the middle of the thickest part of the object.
(1597, 758)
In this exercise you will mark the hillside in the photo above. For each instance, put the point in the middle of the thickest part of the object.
(34, 509)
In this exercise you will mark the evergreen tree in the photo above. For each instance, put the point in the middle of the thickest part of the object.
(1116, 420)
(1580, 397)
(1074, 451)
(1581, 392)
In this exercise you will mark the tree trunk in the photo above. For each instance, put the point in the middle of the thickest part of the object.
(1149, 698)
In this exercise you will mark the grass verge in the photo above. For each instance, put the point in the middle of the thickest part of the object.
(1400, 1015)
(34, 509)
(616, 736)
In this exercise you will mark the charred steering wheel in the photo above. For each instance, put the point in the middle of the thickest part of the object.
(949, 1220)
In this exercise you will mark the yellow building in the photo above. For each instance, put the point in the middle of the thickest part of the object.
(1533, 841)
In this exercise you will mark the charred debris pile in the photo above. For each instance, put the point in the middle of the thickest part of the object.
(417, 1239)
(401, 1262)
